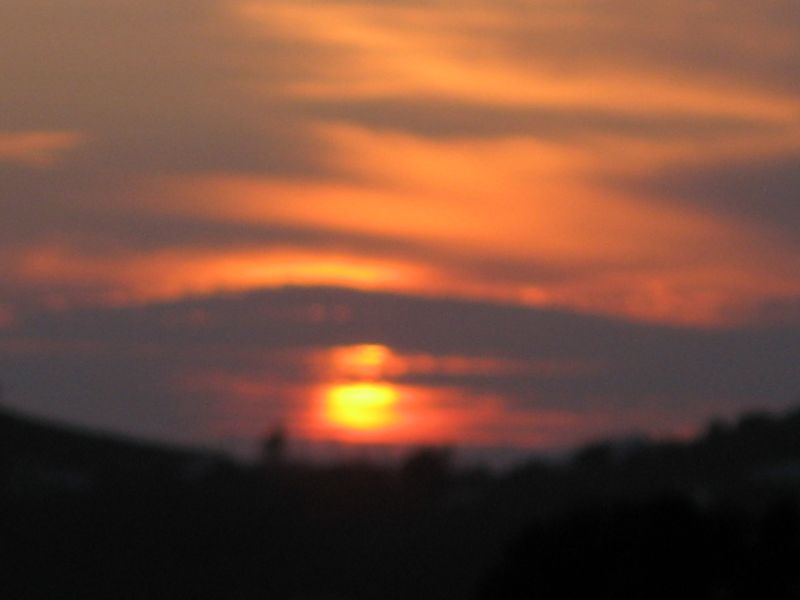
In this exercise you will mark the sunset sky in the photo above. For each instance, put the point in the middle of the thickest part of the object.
(476, 222)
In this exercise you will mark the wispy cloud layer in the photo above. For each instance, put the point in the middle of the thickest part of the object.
(36, 148)
(602, 140)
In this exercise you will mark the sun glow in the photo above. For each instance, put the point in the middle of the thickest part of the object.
(361, 406)
(365, 361)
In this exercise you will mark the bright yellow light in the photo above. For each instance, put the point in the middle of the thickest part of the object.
(362, 406)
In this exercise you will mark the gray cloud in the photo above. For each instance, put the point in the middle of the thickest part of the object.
(712, 40)
(155, 87)
(127, 369)
(760, 190)
(437, 118)
(181, 87)
(100, 215)
(740, 367)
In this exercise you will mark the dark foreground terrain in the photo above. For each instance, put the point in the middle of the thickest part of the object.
(83, 515)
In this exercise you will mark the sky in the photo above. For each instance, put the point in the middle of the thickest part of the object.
(486, 223)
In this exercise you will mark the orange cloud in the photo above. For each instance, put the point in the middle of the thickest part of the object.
(37, 148)
(456, 51)
(510, 199)
(353, 401)
(519, 201)
(173, 274)
(513, 198)
(377, 413)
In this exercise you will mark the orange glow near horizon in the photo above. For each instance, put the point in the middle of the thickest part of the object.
(381, 412)
(368, 404)
(366, 361)
(362, 406)
(365, 403)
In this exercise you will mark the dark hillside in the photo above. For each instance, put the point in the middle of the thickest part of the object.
(85, 514)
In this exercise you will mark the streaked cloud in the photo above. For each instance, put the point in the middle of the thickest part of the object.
(36, 148)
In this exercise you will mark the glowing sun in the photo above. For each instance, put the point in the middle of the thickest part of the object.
(362, 406)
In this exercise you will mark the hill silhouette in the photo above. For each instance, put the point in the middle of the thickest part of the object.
(83, 514)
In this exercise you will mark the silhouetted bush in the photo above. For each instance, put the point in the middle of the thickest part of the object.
(426, 471)
(84, 515)
(664, 549)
